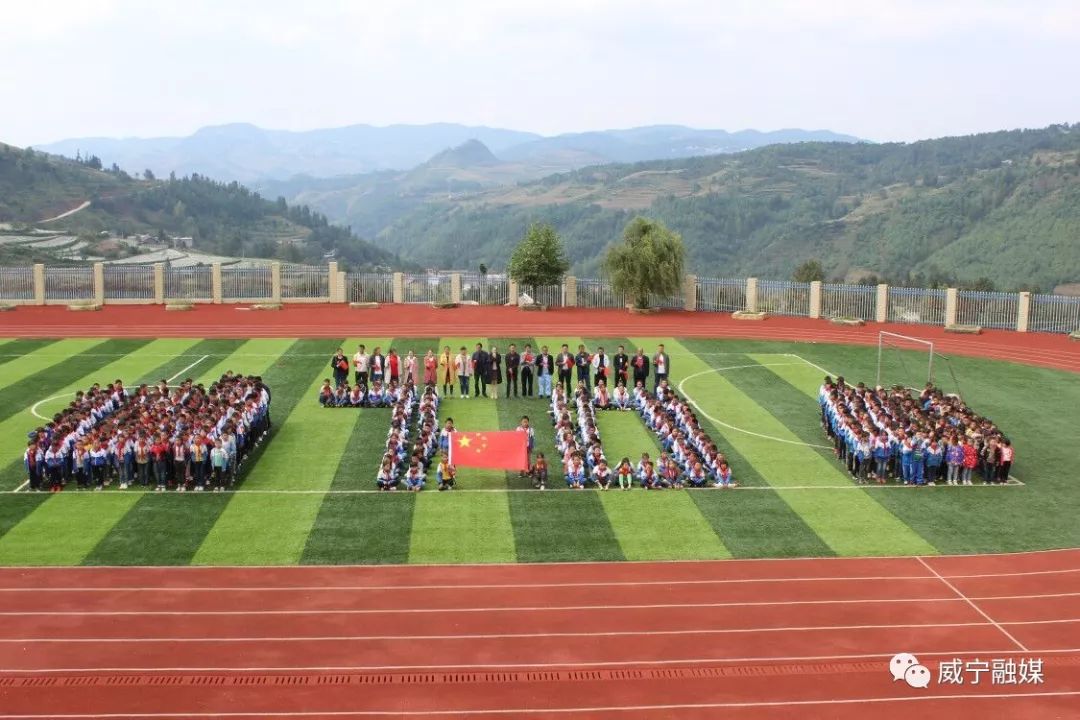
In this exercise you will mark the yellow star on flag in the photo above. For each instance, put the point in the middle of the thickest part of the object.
(464, 441)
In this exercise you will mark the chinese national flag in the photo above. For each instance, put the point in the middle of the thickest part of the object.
(503, 449)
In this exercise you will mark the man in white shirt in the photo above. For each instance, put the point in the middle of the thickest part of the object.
(360, 366)
(661, 366)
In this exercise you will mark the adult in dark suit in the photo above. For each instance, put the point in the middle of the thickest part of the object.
(513, 366)
(640, 366)
(340, 364)
(620, 364)
(566, 369)
(481, 366)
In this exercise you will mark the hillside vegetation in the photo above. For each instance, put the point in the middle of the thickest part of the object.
(226, 219)
(1004, 205)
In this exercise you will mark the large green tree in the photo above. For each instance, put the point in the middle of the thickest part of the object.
(809, 271)
(648, 262)
(539, 259)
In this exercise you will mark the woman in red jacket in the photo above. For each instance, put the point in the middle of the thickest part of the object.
(971, 460)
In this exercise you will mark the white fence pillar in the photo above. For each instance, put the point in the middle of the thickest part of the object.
(570, 291)
(881, 308)
(455, 287)
(331, 282)
(950, 306)
(99, 283)
(275, 282)
(512, 290)
(215, 283)
(399, 287)
(39, 284)
(159, 284)
(751, 294)
(1023, 312)
(815, 299)
(690, 293)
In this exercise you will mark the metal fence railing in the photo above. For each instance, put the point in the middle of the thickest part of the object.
(254, 283)
(721, 294)
(17, 283)
(987, 309)
(69, 283)
(369, 287)
(549, 295)
(188, 283)
(916, 305)
(848, 301)
(426, 287)
(783, 297)
(129, 282)
(1054, 313)
(305, 282)
(598, 293)
(137, 283)
(489, 289)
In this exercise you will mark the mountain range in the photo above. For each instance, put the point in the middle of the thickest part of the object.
(246, 153)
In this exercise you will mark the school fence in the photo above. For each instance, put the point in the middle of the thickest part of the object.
(281, 283)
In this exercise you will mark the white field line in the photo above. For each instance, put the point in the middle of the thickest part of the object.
(974, 607)
(998, 652)
(508, 608)
(736, 428)
(187, 368)
(120, 569)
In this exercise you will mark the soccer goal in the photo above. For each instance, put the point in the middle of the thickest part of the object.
(912, 362)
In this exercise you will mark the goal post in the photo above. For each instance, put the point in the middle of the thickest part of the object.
(894, 368)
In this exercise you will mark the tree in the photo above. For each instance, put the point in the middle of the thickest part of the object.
(649, 261)
(539, 259)
(148, 174)
(809, 271)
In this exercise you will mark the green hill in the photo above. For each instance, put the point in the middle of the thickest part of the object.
(1003, 205)
(225, 219)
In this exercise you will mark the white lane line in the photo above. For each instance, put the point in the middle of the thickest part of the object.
(187, 368)
(666, 709)
(597, 583)
(975, 607)
(736, 428)
(992, 652)
(514, 636)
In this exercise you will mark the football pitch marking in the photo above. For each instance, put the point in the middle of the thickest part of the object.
(717, 421)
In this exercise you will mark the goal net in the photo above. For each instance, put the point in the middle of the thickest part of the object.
(912, 362)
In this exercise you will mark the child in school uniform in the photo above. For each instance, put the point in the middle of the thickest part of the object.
(648, 477)
(326, 394)
(625, 474)
(526, 427)
(575, 472)
(414, 477)
(445, 473)
(601, 475)
(386, 479)
(697, 476)
(723, 477)
(539, 472)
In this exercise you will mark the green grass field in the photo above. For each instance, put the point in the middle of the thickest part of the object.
(306, 496)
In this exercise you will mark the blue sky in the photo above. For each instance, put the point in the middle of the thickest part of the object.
(882, 70)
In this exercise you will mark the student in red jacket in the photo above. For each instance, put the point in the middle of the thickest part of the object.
(971, 460)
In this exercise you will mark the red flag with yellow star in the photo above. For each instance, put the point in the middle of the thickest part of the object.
(503, 449)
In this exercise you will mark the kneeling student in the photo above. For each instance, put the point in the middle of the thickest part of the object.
(446, 474)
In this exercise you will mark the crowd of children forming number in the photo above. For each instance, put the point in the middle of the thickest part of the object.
(689, 458)
(884, 433)
(175, 437)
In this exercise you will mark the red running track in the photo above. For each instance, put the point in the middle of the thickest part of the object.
(337, 321)
(744, 638)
